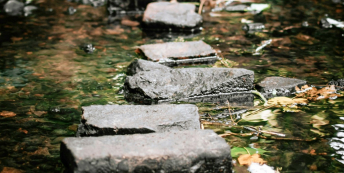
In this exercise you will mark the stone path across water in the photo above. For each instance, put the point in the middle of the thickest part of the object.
(179, 151)
(98, 120)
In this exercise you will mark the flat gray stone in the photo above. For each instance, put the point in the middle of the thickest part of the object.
(98, 120)
(279, 86)
(180, 151)
(176, 53)
(171, 15)
(187, 84)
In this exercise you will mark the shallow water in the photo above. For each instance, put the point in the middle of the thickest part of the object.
(45, 78)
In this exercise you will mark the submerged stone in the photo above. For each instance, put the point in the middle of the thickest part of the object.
(28, 10)
(14, 8)
(176, 53)
(253, 27)
(190, 85)
(279, 86)
(98, 120)
(171, 16)
(88, 48)
(180, 151)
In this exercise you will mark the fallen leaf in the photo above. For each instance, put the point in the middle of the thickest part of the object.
(128, 22)
(11, 170)
(7, 114)
(21, 130)
(40, 151)
(313, 94)
(247, 159)
(285, 101)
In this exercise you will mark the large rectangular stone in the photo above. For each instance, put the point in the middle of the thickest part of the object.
(180, 151)
(151, 86)
(177, 53)
(98, 120)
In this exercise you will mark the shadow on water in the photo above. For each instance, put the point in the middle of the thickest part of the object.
(45, 78)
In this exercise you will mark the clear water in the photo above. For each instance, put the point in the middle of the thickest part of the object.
(45, 77)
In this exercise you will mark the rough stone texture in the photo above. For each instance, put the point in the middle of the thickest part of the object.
(98, 120)
(141, 65)
(171, 15)
(175, 53)
(185, 84)
(14, 8)
(181, 151)
(282, 86)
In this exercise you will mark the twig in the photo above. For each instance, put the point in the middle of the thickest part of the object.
(201, 6)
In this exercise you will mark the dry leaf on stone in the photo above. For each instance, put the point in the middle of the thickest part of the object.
(247, 159)
(7, 114)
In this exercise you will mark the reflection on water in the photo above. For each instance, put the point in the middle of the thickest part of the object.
(45, 77)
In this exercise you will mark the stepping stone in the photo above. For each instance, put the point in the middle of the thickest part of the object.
(189, 85)
(172, 17)
(180, 151)
(279, 86)
(177, 53)
(98, 120)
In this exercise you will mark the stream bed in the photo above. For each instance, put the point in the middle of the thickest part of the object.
(46, 77)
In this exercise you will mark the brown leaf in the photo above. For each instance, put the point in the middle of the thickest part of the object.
(39, 113)
(40, 151)
(247, 159)
(11, 170)
(21, 130)
(128, 22)
(7, 114)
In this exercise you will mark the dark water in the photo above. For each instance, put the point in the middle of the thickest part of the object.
(45, 78)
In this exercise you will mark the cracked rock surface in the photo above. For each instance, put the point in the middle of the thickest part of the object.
(98, 120)
(183, 84)
(180, 151)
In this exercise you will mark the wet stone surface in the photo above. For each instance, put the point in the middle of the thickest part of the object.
(98, 120)
(279, 86)
(176, 53)
(170, 85)
(14, 8)
(180, 151)
(171, 16)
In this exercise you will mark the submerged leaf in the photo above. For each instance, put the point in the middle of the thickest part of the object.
(247, 159)
(7, 114)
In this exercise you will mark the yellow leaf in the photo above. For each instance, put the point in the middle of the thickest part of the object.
(247, 159)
